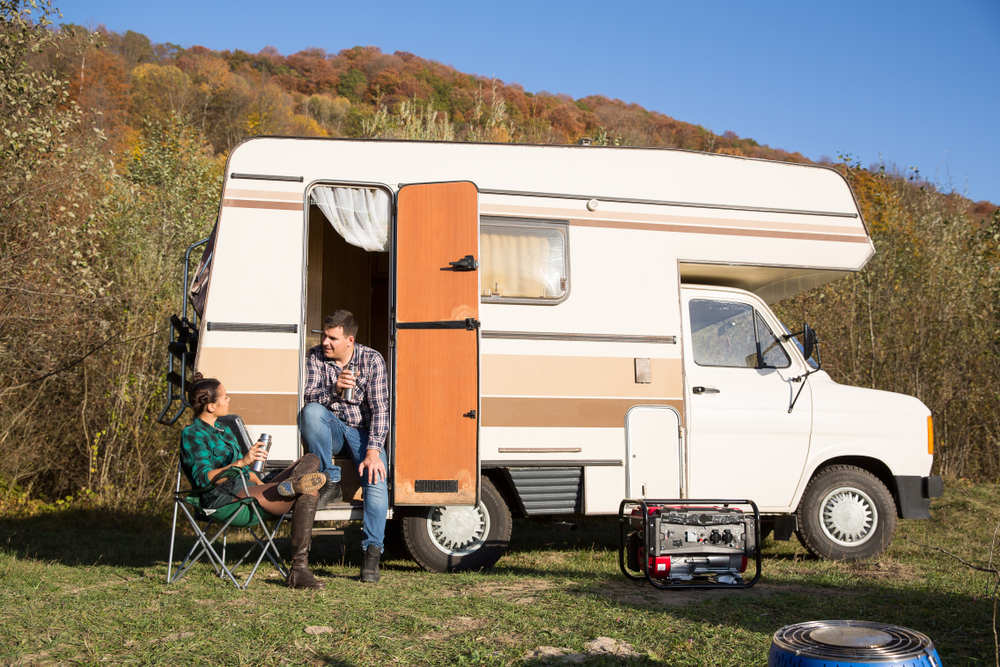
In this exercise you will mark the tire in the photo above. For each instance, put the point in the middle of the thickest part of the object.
(846, 513)
(454, 537)
(394, 542)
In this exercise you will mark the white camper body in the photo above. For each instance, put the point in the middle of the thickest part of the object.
(599, 344)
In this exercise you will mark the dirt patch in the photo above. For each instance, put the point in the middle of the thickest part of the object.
(517, 592)
(882, 570)
(454, 626)
(42, 659)
(602, 646)
(168, 638)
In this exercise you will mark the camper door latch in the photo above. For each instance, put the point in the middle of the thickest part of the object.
(471, 414)
(467, 263)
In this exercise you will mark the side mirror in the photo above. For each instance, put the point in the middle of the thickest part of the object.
(808, 341)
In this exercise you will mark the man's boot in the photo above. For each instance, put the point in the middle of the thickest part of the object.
(303, 514)
(369, 570)
(330, 493)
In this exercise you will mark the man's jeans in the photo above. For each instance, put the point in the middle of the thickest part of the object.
(326, 436)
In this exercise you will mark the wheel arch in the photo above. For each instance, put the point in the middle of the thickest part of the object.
(867, 463)
(500, 477)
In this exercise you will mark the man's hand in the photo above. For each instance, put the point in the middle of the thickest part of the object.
(344, 380)
(376, 469)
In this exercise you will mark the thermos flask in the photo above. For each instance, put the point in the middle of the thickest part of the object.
(349, 392)
(258, 466)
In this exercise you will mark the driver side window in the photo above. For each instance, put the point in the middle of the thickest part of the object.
(730, 334)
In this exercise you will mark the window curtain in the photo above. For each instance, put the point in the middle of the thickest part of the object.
(521, 262)
(360, 215)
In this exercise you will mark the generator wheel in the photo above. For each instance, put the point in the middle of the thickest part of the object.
(846, 513)
(456, 537)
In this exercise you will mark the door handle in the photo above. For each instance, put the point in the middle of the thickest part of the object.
(467, 263)
(705, 390)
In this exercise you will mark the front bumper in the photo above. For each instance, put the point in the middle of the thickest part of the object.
(913, 495)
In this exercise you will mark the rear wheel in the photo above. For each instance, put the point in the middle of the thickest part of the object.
(846, 513)
(460, 537)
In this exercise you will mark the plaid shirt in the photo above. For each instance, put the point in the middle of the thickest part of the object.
(369, 409)
(205, 448)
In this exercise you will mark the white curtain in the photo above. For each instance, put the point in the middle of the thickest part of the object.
(360, 215)
(523, 263)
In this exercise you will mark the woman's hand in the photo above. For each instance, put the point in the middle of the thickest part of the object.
(257, 453)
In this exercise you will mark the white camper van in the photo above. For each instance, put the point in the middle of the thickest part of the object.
(564, 327)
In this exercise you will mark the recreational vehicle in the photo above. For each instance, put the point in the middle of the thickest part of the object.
(564, 327)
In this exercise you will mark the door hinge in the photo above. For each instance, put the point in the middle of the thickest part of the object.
(471, 414)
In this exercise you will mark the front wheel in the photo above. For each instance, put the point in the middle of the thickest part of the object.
(846, 513)
(460, 537)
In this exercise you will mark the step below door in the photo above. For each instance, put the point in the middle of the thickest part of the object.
(436, 411)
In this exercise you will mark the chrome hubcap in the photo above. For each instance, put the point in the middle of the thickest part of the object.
(848, 516)
(458, 530)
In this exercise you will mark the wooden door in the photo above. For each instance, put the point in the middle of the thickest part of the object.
(437, 345)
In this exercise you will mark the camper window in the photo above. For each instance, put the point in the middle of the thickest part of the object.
(523, 261)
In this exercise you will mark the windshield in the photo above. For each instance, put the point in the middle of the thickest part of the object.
(812, 362)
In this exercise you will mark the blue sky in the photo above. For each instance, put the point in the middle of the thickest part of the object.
(914, 83)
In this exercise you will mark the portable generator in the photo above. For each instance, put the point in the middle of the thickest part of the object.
(689, 543)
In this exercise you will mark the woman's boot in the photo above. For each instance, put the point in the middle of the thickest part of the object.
(303, 515)
(305, 465)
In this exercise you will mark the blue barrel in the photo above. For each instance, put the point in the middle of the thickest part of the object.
(850, 644)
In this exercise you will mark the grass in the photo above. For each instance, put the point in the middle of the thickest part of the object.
(85, 587)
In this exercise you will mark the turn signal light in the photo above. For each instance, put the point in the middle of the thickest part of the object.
(930, 435)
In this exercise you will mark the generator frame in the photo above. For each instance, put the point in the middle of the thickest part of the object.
(626, 521)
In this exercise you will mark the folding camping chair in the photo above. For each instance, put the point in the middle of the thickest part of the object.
(242, 513)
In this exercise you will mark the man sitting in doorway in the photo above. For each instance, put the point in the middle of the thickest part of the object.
(333, 420)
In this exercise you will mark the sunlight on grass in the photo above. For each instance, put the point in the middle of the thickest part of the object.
(82, 588)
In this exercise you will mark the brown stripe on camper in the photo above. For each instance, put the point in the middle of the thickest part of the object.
(270, 409)
(251, 369)
(268, 205)
(563, 412)
(725, 231)
(271, 200)
(610, 377)
(686, 223)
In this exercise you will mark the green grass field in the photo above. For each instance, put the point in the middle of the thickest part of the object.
(83, 587)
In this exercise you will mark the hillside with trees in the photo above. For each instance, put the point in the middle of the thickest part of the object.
(112, 150)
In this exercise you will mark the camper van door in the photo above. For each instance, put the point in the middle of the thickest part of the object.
(436, 406)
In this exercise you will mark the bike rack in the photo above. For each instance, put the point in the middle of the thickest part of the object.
(183, 346)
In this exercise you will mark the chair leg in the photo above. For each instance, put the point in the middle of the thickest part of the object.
(173, 534)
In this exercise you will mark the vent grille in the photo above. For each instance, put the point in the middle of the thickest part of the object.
(549, 490)
(436, 486)
(252, 327)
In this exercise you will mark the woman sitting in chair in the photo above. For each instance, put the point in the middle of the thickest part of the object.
(208, 450)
